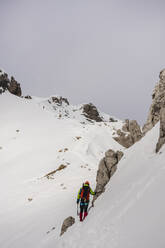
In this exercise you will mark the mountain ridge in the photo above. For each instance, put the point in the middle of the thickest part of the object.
(48, 147)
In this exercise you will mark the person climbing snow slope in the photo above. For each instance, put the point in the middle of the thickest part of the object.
(83, 197)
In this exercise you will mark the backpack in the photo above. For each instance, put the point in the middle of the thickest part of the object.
(85, 193)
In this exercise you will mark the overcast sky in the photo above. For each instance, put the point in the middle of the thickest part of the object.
(108, 52)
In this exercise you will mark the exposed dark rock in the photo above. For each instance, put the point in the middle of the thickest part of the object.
(59, 100)
(112, 119)
(107, 167)
(14, 87)
(91, 112)
(66, 224)
(4, 82)
(28, 97)
(11, 85)
(130, 134)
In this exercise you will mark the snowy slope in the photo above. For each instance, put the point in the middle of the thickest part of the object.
(35, 140)
(131, 213)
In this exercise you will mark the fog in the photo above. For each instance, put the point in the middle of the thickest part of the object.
(107, 52)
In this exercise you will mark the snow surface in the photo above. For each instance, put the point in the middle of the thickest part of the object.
(131, 212)
(35, 140)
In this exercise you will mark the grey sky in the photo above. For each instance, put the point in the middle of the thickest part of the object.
(107, 52)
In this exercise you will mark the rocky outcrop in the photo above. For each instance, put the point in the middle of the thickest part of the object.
(9, 84)
(66, 224)
(107, 167)
(4, 82)
(14, 87)
(157, 101)
(130, 133)
(59, 100)
(91, 112)
(161, 140)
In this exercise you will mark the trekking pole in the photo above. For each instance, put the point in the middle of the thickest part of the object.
(77, 210)
(91, 206)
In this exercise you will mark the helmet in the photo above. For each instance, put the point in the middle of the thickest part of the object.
(87, 182)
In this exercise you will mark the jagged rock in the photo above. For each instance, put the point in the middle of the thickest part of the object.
(91, 112)
(130, 134)
(161, 140)
(107, 167)
(60, 100)
(67, 223)
(157, 99)
(4, 82)
(11, 85)
(119, 155)
(14, 87)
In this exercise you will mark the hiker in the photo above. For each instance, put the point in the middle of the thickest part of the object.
(83, 197)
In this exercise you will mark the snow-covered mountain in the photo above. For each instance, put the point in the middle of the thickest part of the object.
(37, 136)
(49, 147)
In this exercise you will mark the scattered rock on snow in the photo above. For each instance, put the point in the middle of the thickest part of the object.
(66, 224)
(52, 229)
(112, 120)
(50, 174)
(28, 97)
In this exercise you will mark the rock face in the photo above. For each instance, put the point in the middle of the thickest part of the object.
(66, 224)
(9, 84)
(157, 101)
(107, 167)
(161, 140)
(91, 112)
(130, 134)
(14, 87)
(4, 82)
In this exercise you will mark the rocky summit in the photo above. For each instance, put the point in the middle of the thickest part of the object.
(49, 148)
(10, 85)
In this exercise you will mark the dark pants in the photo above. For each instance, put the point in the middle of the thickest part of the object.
(83, 208)
(83, 211)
